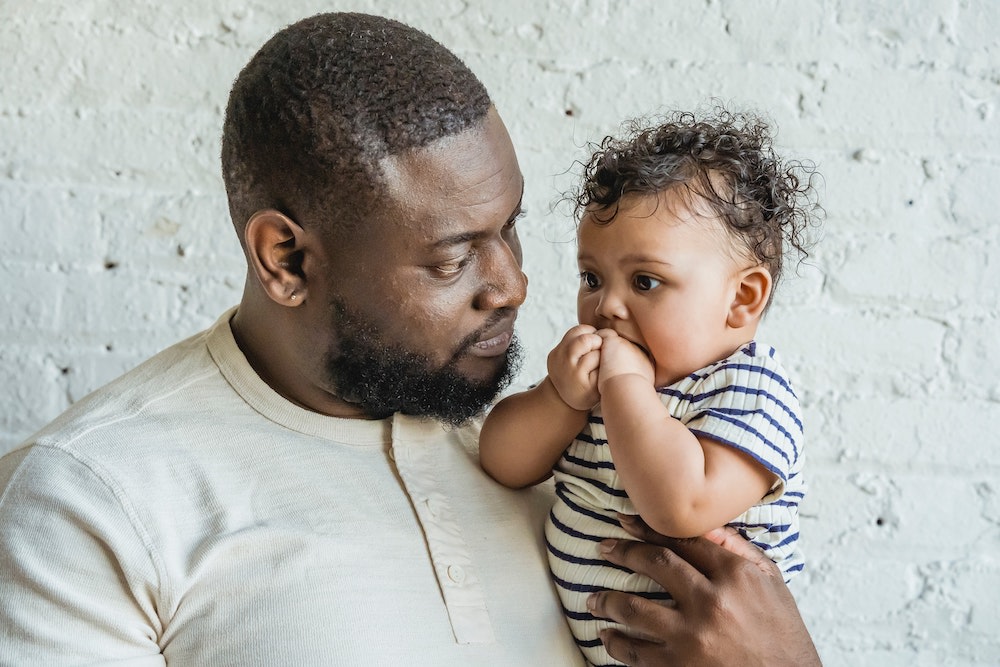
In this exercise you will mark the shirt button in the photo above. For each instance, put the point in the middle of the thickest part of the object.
(433, 507)
(456, 573)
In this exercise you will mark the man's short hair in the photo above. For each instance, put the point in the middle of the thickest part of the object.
(323, 101)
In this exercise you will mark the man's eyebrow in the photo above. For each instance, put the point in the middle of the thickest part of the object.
(465, 237)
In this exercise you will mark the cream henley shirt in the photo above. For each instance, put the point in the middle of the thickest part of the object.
(187, 514)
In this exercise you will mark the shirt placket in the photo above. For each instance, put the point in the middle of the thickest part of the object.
(416, 449)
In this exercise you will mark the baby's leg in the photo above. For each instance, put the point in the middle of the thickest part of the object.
(572, 534)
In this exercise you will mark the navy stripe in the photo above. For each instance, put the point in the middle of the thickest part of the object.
(781, 380)
(761, 413)
(566, 530)
(736, 389)
(715, 414)
(750, 430)
(583, 616)
(590, 440)
(791, 539)
(737, 446)
(577, 588)
(610, 490)
(584, 463)
(768, 547)
(579, 509)
(752, 391)
(776, 528)
(732, 364)
(595, 562)
(578, 615)
(655, 596)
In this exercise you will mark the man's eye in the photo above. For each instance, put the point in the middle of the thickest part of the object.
(645, 283)
(513, 221)
(452, 268)
(589, 280)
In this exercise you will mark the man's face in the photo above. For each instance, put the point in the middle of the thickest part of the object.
(423, 304)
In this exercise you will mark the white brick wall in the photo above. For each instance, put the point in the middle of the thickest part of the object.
(117, 242)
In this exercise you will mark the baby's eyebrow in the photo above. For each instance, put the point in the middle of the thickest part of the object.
(633, 258)
(645, 259)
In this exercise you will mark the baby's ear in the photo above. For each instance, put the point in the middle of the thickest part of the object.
(753, 289)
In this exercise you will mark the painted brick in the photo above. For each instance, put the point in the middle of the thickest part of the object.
(117, 239)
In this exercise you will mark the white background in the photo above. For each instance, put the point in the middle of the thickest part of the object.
(116, 240)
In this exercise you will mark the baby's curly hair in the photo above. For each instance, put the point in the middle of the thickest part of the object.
(727, 160)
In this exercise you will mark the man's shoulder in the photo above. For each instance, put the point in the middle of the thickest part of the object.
(117, 413)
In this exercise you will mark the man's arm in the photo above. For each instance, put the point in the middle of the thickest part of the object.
(731, 605)
(70, 565)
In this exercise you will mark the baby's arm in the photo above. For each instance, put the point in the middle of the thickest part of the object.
(682, 485)
(526, 433)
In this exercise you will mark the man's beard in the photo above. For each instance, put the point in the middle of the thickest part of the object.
(382, 378)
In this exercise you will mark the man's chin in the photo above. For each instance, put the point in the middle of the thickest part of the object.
(485, 372)
(403, 383)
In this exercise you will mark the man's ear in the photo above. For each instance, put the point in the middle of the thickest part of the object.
(753, 290)
(276, 248)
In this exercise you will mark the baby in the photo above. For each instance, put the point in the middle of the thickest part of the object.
(661, 402)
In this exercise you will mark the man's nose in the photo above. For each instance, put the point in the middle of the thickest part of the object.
(505, 285)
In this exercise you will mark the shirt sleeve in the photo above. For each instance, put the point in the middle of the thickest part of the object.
(76, 579)
(747, 403)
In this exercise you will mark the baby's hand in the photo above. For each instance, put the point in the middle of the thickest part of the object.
(620, 356)
(573, 364)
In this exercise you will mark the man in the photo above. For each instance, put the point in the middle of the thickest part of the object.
(299, 483)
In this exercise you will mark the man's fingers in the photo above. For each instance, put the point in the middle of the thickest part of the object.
(642, 618)
(730, 539)
(636, 652)
(660, 564)
(704, 556)
(634, 524)
(718, 551)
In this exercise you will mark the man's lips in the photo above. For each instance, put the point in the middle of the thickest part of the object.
(494, 346)
(494, 341)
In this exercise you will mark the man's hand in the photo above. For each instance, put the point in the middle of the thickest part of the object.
(731, 605)
(573, 364)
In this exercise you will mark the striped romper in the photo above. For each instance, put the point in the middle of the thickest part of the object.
(744, 401)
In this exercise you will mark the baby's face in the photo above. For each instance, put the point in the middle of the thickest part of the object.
(662, 277)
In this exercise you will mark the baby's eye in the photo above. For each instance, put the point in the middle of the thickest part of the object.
(589, 280)
(645, 283)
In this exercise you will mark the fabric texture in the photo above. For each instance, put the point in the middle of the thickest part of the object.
(188, 514)
(745, 402)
